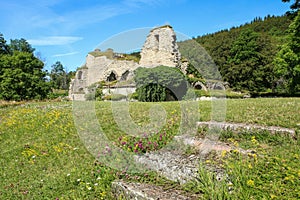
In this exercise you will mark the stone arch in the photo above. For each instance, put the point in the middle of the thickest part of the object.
(111, 77)
(199, 85)
(218, 86)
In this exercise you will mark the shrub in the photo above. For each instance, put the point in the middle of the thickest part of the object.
(160, 84)
(115, 97)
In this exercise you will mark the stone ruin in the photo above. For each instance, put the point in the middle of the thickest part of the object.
(160, 48)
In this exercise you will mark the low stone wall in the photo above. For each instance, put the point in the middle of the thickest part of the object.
(119, 90)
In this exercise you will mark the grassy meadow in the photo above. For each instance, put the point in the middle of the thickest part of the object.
(42, 156)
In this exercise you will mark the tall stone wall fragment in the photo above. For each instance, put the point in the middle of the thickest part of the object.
(160, 48)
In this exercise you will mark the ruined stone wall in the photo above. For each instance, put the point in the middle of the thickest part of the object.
(123, 70)
(96, 68)
(160, 48)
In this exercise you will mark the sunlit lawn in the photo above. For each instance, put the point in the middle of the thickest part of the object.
(42, 156)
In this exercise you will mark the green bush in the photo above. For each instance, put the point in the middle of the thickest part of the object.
(190, 95)
(160, 84)
(133, 96)
(115, 97)
(95, 92)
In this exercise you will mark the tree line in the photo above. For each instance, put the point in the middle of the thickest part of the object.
(260, 56)
(22, 74)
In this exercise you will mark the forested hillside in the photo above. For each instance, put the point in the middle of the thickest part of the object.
(244, 55)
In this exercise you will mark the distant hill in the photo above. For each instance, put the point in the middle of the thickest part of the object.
(243, 54)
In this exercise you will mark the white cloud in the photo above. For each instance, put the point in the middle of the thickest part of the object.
(54, 40)
(44, 16)
(65, 54)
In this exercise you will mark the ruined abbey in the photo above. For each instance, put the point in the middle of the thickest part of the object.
(160, 48)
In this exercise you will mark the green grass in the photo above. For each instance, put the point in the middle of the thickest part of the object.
(42, 156)
(269, 170)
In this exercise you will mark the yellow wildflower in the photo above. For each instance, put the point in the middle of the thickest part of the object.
(223, 154)
(250, 183)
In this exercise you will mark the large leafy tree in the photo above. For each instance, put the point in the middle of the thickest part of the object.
(4, 49)
(21, 73)
(58, 76)
(20, 45)
(287, 61)
(160, 84)
(246, 67)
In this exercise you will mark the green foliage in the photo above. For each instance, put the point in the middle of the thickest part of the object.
(201, 64)
(22, 78)
(246, 67)
(133, 96)
(287, 61)
(135, 56)
(115, 97)
(58, 76)
(95, 92)
(40, 144)
(20, 45)
(4, 49)
(160, 84)
(190, 94)
(21, 75)
(294, 7)
(109, 54)
(267, 34)
(193, 75)
(209, 186)
(57, 94)
(269, 171)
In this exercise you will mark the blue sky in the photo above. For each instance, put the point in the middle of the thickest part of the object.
(66, 30)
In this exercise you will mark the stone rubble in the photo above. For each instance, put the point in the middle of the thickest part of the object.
(247, 127)
(170, 165)
(176, 166)
(173, 165)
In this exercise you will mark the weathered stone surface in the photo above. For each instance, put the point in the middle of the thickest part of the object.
(247, 127)
(100, 68)
(176, 166)
(96, 67)
(160, 48)
(171, 165)
(122, 70)
(142, 191)
(182, 168)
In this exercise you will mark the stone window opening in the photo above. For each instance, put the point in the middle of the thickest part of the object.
(156, 37)
(124, 75)
(79, 76)
(111, 77)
